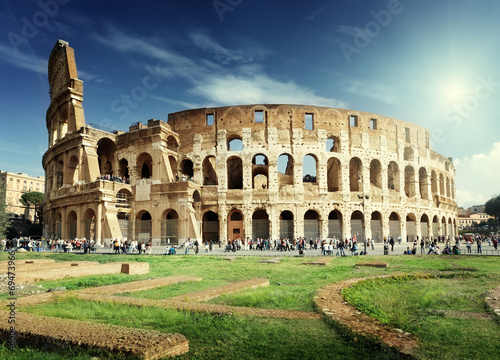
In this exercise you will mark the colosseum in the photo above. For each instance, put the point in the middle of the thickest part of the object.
(252, 171)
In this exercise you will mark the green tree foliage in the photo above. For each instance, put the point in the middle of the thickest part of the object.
(3, 212)
(492, 207)
(35, 199)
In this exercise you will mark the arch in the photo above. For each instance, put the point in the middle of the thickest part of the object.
(260, 172)
(145, 165)
(196, 196)
(124, 198)
(123, 164)
(170, 227)
(394, 225)
(434, 183)
(209, 171)
(143, 226)
(441, 185)
(376, 226)
(89, 224)
(285, 167)
(172, 143)
(234, 143)
(335, 224)
(260, 159)
(376, 173)
(435, 226)
(423, 182)
(409, 181)
(408, 153)
(58, 225)
(309, 168)
(106, 153)
(234, 173)
(334, 174)
(260, 224)
(447, 166)
(333, 144)
(411, 226)
(124, 223)
(71, 225)
(210, 227)
(235, 225)
(393, 176)
(355, 174)
(186, 167)
(73, 174)
(311, 224)
(60, 173)
(286, 225)
(358, 225)
(260, 181)
(424, 226)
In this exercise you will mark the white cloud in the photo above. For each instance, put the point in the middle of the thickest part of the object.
(478, 177)
(24, 61)
(371, 90)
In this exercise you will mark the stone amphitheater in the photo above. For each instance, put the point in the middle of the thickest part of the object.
(252, 171)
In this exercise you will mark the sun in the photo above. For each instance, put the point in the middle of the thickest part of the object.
(454, 90)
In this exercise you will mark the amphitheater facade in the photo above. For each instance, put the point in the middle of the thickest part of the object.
(253, 171)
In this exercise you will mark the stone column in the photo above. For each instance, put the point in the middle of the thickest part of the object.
(98, 224)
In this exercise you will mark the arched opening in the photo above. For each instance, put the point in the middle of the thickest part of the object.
(173, 166)
(234, 173)
(311, 225)
(408, 153)
(435, 226)
(105, 153)
(443, 226)
(170, 227)
(143, 226)
(376, 226)
(333, 144)
(409, 181)
(210, 226)
(309, 170)
(376, 174)
(286, 225)
(145, 165)
(260, 172)
(172, 143)
(394, 225)
(448, 192)
(71, 225)
(285, 170)
(333, 174)
(89, 224)
(358, 225)
(60, 173)
(235, 226)
(356, 174)
(73, 169)
(124, 199)
(186, 167)
(423, 183)
(393, 176)
(124, 169)
(124, 223)
(411, 227)
(235, 144)
(434, 183)
(58, 225)
(441, 185)
(335, 224)
(260, 225)
(424, 226)
(209, 171)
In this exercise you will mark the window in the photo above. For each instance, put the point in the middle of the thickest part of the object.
(18, 180)
(210, 119)
(25, 181)
(259, 116)
(309, 121)
(373, 124)
(407, 135)
(353, 120)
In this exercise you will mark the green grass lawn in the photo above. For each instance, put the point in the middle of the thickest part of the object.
(402, 303)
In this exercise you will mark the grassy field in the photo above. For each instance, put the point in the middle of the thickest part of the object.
(404, 303)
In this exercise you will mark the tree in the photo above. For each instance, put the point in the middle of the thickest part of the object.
(492, 207)
(3, 212)
(33, 198)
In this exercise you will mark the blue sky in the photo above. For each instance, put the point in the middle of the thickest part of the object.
(432, 63)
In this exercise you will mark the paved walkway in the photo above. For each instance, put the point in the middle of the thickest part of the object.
(378, 250)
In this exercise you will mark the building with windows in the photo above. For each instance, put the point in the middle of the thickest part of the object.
(468, 221)
(251, 171)
(16, 184)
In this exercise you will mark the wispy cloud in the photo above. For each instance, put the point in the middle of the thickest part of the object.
(21, 60)
(478, 176)
(240, 81)
(371, 90)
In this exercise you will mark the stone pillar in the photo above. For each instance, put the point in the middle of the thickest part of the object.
(418, 231)
(98, 224)
(367, 223)
(385, 225)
